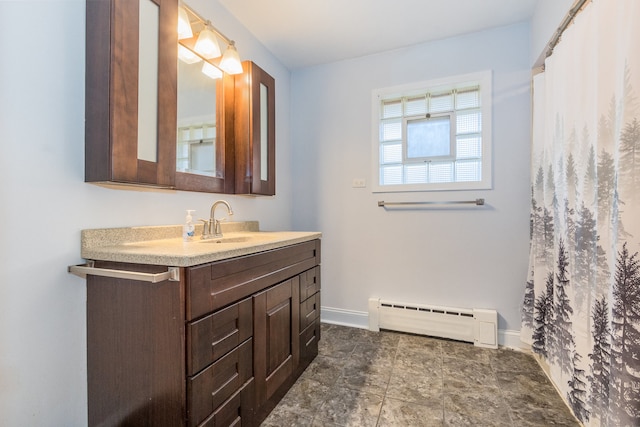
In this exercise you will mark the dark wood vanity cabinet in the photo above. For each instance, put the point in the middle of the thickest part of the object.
(130, 129)
(255, 131)
(217, 348)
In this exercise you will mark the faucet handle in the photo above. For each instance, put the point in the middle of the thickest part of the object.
(217, 227)
(206, 228)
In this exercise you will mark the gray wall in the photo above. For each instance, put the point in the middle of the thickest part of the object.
(462, 257)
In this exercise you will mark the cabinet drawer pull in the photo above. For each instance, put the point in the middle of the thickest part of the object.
(229, 335)
(227, 382)
(313, 337)
(173, 274)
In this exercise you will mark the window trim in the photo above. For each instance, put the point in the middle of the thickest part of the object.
(484, 80)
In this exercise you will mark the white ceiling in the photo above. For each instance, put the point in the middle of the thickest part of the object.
(304, 33)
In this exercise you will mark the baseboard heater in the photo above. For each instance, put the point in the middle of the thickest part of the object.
(478, 326)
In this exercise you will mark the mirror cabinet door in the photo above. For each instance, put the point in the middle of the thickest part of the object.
(203, 123)
(255, 131)
(131, 91)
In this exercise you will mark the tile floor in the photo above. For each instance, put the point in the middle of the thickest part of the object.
(362, 378)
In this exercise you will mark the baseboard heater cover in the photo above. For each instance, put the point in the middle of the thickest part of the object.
(478, 326)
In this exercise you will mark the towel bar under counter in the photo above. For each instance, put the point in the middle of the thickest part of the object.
(172, 274)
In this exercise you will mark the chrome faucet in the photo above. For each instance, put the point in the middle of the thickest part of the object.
(207, 233)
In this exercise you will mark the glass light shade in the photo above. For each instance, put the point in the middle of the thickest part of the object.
(184, 26)
(230, 62)
(207, 44)
(211, 71)
(186, 56)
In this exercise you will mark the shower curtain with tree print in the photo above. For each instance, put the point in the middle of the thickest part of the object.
(581, 310)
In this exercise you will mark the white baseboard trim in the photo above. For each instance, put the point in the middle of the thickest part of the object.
(360, 319)
(511, 339)
(339, 316)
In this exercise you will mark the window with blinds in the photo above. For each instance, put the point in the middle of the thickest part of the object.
(434, 135)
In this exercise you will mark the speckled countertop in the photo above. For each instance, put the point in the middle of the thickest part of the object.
(163, 245)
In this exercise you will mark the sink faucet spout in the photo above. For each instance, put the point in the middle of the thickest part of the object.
(217, 229)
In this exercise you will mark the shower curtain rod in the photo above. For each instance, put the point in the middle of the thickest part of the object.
(575, 9)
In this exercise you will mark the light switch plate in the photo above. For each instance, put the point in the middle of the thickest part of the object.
(359, 183)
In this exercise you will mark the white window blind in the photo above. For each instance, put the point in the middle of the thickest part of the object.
(433, 135)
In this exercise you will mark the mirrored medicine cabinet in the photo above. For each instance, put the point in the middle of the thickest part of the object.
(154, 120)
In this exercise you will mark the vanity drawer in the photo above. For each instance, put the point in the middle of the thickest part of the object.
(309, 310)
(215, 285)
(309, 283)
(212, 337)
(236, 411)
(309, 339)
(211, 387)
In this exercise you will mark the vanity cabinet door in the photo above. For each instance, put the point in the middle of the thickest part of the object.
(276, 314)
(130, 98)
(255, 131)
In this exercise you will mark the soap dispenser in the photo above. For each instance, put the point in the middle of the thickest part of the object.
(188, 229)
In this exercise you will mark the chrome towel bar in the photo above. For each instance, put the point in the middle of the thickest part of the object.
(477, 202)
(173, 274)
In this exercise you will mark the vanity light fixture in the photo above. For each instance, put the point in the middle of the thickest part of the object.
(206, 44)
(187, 56)
(184, 25)
(230, 62)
